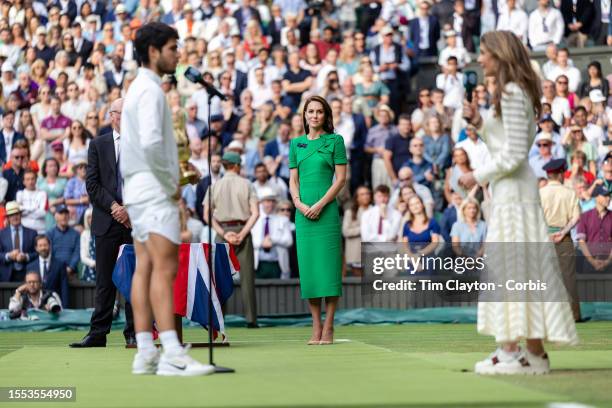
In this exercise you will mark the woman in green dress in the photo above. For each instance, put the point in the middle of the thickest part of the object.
(314, 159)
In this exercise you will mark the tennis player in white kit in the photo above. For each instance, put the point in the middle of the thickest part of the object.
(149, 165)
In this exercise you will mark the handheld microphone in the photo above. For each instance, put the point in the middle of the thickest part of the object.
(470, 80)
(194, 76)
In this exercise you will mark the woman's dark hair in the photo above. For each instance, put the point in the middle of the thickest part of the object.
(153, 34)
(355, 203)
(328, 124)
(85, 134)
(597, 66)
(44, 167)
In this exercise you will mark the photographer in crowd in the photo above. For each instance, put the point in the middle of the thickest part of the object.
(31, 295)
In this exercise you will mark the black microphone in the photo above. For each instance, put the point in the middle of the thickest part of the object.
(470, 80)
(194, 76)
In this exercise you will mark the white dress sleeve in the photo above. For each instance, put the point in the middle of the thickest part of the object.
(514, 105)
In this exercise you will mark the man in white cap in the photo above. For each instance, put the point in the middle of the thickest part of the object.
(187, 26)
(43, 51)
(271, 239)
(9, 83)
(16, 246)
(454, 49)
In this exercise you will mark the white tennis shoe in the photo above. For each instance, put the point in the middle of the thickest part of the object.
(488, 365)
(525, 363)
(145, 363)
(182, 364)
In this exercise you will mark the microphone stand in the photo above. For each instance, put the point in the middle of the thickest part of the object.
(218, 369)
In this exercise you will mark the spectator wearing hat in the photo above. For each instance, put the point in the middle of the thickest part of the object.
(65, 241)
(271, 239)
(547, 125)
(14, 175)
(188, 26)
(8, 136)
(561, 213)
(77, 199)
(546, 26)
(575, 141)
(544, 144)
(16, 246)
(9, 83)
(514, 19)
(594, 233)
(234, 209)
(375, 144)
(424, 31)
(453, 49)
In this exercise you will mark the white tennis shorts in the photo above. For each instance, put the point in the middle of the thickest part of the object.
(150, 209)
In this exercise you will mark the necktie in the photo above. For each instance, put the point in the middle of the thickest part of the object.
(119, 177)
(17, 245)
(267, 231)
(44, 270)
(380, 225)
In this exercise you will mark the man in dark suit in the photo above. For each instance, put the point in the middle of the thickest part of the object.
(16, 246)
(246, 13)
(82, 45)
(422, 47)
(579, 19)
(8, 136)
(69, 8)
(202, 187)
(276, 162)
(14, 175)
(114, 76)
(52, 272)
(111, 228)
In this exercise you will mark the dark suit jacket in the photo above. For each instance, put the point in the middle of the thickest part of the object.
(109, 78)
(55, 279)
(241, 84)
(434, 36)
(71, 10)
(17, 136)
(86, 49)
(584, 14)
(240, 19)
(99, 9)
(6, 245)
(358, 156)
(101, 182)
(201, 189)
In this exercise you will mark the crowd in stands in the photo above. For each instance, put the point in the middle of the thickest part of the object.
(64, 62)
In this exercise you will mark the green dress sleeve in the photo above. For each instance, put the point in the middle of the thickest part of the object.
(292, 155)
(339, 151)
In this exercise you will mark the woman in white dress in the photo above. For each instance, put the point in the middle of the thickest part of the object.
(522, 249)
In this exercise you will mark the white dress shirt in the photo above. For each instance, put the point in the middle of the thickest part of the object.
(545, 27)
(8, 142)
(462, 55)
(370, 221)
(514, 20)
(279, 229)
(478, 152)
(117, 141)
(572, 74)
(453, 88)
(147, 133)
(33, 209)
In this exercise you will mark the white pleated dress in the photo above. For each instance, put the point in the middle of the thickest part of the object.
(517, 231)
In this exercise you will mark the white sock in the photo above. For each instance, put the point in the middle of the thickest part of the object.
(144, 342)
(170, 341)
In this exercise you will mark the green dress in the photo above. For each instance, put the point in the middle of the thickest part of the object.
(319, 242)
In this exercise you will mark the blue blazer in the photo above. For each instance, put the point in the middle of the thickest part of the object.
(17, 136)
(434, 36)
(56, 278)
(8, 268)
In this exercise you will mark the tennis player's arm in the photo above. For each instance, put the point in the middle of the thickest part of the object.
(150, 131)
